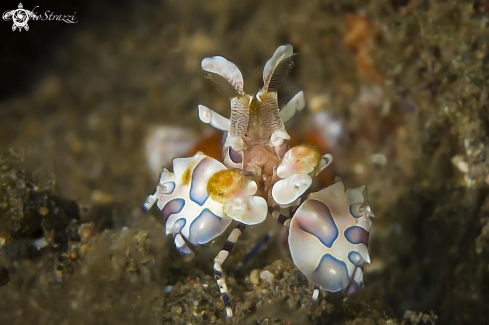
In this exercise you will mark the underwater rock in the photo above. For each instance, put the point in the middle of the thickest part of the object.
(30, 211)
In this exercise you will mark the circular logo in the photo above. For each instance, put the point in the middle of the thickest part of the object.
(19, 17)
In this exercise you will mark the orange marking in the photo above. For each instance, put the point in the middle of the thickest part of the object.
(209, 144)
(360, 39)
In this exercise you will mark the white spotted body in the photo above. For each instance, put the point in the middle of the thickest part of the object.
(259, 173)
(328, 238)
(190, 211)
(186, 207)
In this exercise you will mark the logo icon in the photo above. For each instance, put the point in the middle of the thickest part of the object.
(20, 17)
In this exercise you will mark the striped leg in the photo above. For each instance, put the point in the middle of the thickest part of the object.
(220, 258)
(282, 219)
(150, 201)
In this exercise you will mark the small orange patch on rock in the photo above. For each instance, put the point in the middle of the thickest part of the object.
(86, 230)
(43, 211)
(361, 40)
(224, 184)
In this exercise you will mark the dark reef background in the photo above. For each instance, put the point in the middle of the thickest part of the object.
(396, 90)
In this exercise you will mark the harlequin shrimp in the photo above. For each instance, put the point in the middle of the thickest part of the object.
(259, 176)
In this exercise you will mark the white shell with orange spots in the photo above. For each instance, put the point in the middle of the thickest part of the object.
(188, 209)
